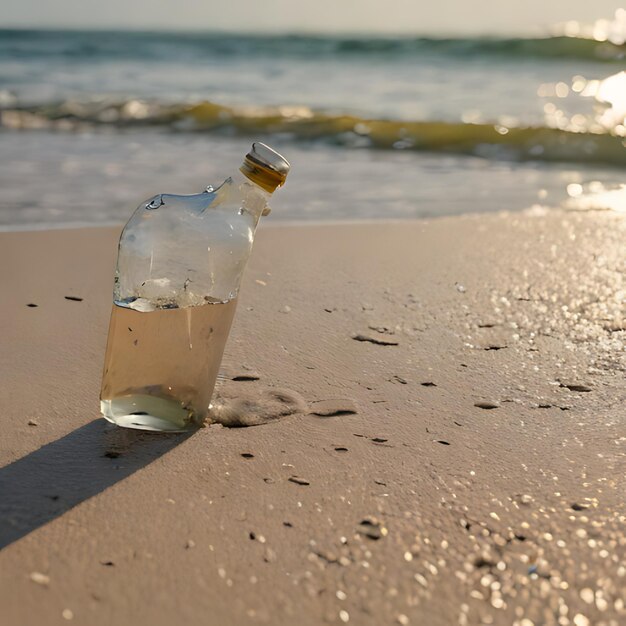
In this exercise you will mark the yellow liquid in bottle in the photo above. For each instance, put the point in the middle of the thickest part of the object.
(161, 366)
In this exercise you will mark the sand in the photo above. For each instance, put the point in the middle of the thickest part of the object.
(441, 438)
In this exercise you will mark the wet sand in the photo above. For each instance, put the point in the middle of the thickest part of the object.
(439, 437)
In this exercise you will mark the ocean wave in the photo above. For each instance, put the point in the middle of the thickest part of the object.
(89, 46)
(492, 141)
(556, 47)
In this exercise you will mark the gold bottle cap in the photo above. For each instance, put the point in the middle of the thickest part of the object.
(265, 167)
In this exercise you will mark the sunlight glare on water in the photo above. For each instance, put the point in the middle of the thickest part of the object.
(613, 31)
(596, 196)
(592, 106)
(612, 91)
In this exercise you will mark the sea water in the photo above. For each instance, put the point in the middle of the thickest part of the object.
(161, 365)
(389, 127)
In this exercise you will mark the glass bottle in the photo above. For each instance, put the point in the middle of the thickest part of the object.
(179, 267)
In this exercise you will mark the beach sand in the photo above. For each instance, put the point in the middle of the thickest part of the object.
(445, 408)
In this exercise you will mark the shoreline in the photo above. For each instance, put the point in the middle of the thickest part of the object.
(441, 442)
(267, 222)
(19, 228)
(109, 175)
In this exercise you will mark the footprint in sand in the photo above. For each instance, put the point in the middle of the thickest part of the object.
(238, 407)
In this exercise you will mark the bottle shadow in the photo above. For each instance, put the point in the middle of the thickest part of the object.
(46, 483)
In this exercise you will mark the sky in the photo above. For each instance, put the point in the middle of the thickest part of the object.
(372, 16)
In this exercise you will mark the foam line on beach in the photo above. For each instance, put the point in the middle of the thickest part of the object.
(489, 140)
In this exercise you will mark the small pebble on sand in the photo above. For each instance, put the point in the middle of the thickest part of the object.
(40, 579)
(330, 408)
(371, 528)
(398, 379)
(298, 481)
(487, 405)
(576, 387)
(379, 341)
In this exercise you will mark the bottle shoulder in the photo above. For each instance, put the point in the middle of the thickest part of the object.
(234, 196)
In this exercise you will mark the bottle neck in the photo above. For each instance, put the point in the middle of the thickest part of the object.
(249, 186)
(254, 198)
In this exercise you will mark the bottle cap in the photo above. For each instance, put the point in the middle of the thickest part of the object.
(265, 167)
